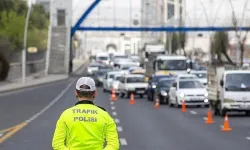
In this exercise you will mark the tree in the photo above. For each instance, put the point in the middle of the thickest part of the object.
(219, 46)
(174, 42)
(241, 38)
(12, 26)
(12, 21)
(182, 41)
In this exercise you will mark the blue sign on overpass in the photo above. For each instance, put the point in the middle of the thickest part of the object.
(152, 29)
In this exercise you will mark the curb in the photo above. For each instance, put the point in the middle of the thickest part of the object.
(29, 85)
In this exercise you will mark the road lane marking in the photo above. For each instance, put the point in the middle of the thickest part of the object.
(11, 131)
(119, 129)
(114, 113)
(193, 112)
(112, 103)
(51, 103)
(248, 138)
(117, 120)
(123, 141)
(205, 118)
(1, 135)
(221, 126)
(112, 107)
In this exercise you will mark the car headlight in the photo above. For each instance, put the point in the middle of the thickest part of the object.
(112, 63)
(138, 64)
(115, 86)
(206, 94)
(153, 86)
(206, 100)
(182, 95)
(89, 70)
(164, 93)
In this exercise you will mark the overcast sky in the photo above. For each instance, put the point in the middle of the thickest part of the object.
(199, 12)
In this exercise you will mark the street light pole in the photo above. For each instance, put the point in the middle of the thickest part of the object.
(25, 44)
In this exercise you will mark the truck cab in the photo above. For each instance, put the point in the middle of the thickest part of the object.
(228, 90)
(173, 64)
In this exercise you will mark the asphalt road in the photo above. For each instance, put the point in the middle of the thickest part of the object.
(140, 126)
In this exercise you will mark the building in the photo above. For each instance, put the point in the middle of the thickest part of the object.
(152, 16)
(174, 15)
(45, 3)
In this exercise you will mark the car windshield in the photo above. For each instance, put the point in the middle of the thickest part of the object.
(237, 82)
(117, 57)
(166, 83)
(101, 73)
(157, 78)
(172, 65)
(111, 76)
(105, 67)
(201, 75)
(190, 85)
(102, 58)
(135, 80)
(189, 77)
(136, 58)
(117, 78)
(125, 68)
(94, 65)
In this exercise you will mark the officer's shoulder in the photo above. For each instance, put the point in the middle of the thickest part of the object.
(101, 108)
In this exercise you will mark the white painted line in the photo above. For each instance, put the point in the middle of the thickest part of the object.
(51, 103)
(123, 141)
(205, 118)
(112, 107)
(114, 113)
(248, 138)
(117, 120)
(1, 134)
(112, 103)
(193, 112)
(119, 129)
(221, 126)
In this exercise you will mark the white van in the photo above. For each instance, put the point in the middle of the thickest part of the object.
(102, 57)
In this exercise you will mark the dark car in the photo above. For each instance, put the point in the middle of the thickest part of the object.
(163, 87)
(152, 85)
(100, 75)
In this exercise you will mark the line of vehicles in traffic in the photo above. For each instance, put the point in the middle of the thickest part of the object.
(174, 79)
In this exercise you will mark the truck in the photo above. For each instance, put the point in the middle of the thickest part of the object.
(228, 89)
(150, 52)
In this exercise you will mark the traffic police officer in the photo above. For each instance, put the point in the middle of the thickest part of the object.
(85, 126)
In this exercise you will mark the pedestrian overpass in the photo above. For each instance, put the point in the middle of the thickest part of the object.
(61, 29)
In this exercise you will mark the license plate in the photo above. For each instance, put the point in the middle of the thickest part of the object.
(140, 92)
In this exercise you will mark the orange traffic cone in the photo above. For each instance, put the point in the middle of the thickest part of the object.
(113, 95)
(209, 119)
(156, 105)
(183, 106)
(226, 127)
(132, 99)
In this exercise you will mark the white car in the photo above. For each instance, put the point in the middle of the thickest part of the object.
(192, 91)
(136, 59)
(186, 76)
(134, 68)
(132, 83)
(107, 82)
(93, 68)
(115, 83)
(202, 76)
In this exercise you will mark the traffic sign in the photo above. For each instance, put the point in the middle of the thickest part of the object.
(32, 50)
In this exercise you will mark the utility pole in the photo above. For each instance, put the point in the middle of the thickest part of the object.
(25, 43)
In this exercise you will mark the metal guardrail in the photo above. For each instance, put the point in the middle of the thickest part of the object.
(27, 63)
